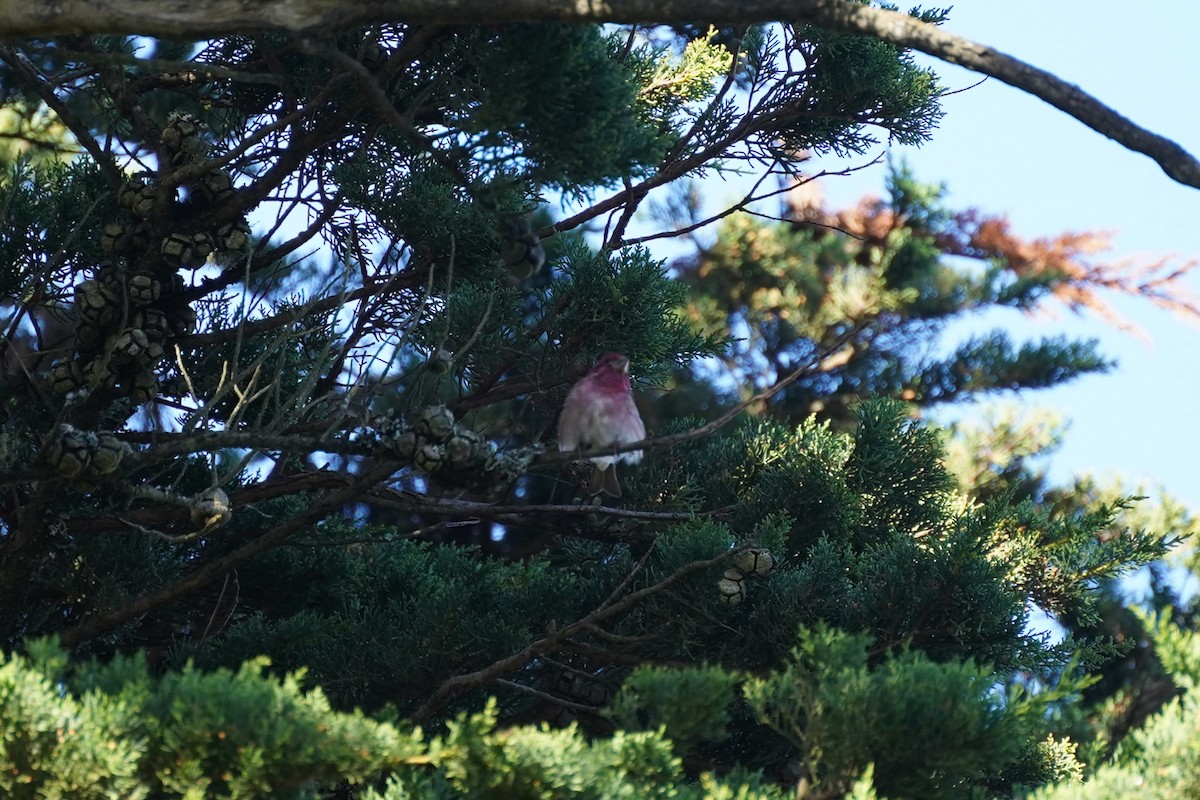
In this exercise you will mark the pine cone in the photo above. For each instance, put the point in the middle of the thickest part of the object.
(98, 375)
(755, 562)
(181, 320)
(732, 591)
(138, 196)
(106, 455)
(70, 452)
(96, 304)
(212, 510)
(234, 236)
(130, 346)
(436, 422)
(520, 248)
(65, 376)
(143, 289)
(179, 250)
(216, 187)
(143, 387)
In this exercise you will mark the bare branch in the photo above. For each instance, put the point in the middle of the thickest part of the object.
(901, 29)
(296, 314)
(162, 515)
(476, 509)
(165, 445)
(529, 690)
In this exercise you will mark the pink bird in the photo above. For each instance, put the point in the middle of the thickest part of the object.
(599, 412)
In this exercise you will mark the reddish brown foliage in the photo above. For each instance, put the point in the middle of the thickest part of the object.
(1071, 258)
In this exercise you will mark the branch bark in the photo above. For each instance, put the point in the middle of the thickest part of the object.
(213, 570)
(204, 18)
(903, 30)
(452, 687)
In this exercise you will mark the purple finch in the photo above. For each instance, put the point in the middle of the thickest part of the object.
(600, 412)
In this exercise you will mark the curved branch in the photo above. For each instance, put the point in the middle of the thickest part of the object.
(903, 30)
(203, 18)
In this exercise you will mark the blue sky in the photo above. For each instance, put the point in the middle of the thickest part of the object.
(1007, 152)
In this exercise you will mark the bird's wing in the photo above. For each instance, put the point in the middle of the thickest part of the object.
(568, 423)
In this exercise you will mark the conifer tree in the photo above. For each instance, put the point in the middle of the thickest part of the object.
(288, 321)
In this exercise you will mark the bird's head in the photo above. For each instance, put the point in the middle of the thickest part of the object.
(615, 361)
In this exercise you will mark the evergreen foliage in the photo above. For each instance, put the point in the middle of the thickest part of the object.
(288, 323)
(882, 296)
(1161, 759)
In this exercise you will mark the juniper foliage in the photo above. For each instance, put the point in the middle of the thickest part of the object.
(288, 322)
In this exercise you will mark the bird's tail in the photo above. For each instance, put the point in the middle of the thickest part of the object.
(605, 480)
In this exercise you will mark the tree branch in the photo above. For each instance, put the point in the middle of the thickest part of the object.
(461, 683)
(204, 18)
(28, 72)
(106, 621)
(903, 30)
(809, 366)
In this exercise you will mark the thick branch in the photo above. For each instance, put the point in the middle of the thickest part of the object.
(901, 29)
(203, 18)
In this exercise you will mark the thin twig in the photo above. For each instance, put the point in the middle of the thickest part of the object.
(529, 690)
(27, 70)
(661, 442)
(202, 575)
(458, 684)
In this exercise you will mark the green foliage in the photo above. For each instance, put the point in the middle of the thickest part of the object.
(1169, 768)
(33, 134)
(419, 201)
(541, 80)
(1051, 761)
(1058, 559)
(336, 484)
(930, 729)
(856, 80)
(497, 318)
(875, 299)
(113, 730)
(993, 454)
(397, 615)
(102, 731)
(896, 467)
(1177, 647)
(624, 302)
(992, 363)
(885, 479)
(670, 84)
(49, 208)
(864, 787)
(60, 746)
(474, 759)
(690, 705)
(541, 764)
